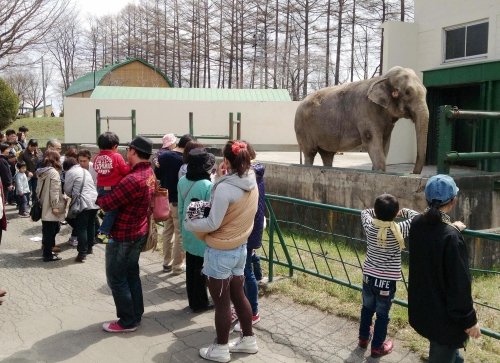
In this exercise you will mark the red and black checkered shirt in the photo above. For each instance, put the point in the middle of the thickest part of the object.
(132, 198)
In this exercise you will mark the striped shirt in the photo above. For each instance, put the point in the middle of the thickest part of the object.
(384, 262)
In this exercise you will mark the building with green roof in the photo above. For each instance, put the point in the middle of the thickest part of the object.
(132, 72)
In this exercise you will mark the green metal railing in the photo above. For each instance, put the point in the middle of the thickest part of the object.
(99, 119)
(327, 242)
(229, 136)
(445, 156)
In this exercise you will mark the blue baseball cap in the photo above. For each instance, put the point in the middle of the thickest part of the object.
(440, 188)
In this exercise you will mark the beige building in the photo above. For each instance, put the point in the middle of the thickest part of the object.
(132, 72)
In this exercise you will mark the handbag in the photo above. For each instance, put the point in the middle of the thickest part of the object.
(36, 209)
(152, 240)
(76, 205)
(160, 205)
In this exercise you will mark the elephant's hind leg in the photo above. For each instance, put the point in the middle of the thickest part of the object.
(327, 157)
(309, 156)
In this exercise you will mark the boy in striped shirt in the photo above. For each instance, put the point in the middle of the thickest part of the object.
(382, 268)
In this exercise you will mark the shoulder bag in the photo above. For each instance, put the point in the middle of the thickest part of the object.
(159, 204)
(76, 205)
(36, 209)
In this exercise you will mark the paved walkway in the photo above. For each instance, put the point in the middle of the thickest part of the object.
(54, 311)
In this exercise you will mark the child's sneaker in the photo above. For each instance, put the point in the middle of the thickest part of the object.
(385, 349)
(24, 215)
(102, 238)
(244, 345)
(362, 342)
(255, 320)
(216, 353)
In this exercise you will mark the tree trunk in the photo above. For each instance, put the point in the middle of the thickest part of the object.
(339, 41)
(327, 56)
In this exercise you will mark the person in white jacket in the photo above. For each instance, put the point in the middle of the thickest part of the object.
(79, 184)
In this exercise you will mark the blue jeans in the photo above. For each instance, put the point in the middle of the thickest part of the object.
(439, 353)
(251, 287)
(257, 270)
(109, 216)
(377, 298)
(22, 202)
(122, 275)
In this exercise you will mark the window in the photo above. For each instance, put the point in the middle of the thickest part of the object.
(466, 41)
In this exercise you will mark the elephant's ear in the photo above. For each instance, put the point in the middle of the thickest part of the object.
(379, 93)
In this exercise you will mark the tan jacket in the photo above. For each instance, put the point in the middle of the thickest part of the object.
(237, 223)
(51, 196)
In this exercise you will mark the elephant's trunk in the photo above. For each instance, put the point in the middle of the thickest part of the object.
(421, 120)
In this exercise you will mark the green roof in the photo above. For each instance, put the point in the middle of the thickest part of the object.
(189, 94)
(88, 82)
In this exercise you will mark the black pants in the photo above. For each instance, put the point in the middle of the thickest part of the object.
(84, 230)
(49, 231)
(195, 282)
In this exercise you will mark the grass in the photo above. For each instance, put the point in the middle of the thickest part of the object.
(41, 128)
(325, 257)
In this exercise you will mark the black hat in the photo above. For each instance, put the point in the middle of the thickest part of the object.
(199, 159)
(142, 144)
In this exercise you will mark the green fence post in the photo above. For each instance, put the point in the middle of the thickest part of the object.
(445, 131)
(191, 132)
(97, 124)
(231, 134)
(238, 126)
(134, 125)
(271, 242)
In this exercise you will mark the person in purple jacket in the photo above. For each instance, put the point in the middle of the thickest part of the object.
(252, 271)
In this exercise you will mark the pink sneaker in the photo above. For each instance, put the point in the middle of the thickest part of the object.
(114, 327)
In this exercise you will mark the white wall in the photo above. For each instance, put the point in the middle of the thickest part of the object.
(400, 49)
(433, 15)
(263, 123)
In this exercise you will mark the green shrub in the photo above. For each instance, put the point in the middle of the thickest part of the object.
(9, 105)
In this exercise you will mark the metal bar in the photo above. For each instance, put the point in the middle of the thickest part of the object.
(97, 124)
(454, 113)
(217, 137)
(313, 204)
(191, 126)
(231, 133)
(114, 118)
(445, 131)
(272, 221)
(482, 155)
(238, 125)
(134, 125)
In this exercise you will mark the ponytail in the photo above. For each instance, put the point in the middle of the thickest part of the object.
(432, 215)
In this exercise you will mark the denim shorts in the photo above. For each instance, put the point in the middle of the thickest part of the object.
(222, 264)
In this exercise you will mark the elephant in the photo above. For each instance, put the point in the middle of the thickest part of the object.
(343, 117)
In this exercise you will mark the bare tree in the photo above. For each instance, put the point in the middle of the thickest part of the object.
(24, 24)
(64, 46)
(37, 87)
(19, 81)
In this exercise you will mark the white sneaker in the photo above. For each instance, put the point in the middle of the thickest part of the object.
(216, 353)
(244, 345)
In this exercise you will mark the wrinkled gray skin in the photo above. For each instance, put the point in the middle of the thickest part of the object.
(363, 113)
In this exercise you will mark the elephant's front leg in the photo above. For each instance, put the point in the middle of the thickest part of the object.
(373, 142)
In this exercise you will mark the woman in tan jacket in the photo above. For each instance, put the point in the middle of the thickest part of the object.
(225, 231)
(53, 201)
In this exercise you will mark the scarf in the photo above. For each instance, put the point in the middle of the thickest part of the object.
(382, 232)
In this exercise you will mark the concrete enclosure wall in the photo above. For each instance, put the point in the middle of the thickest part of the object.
(358, 189)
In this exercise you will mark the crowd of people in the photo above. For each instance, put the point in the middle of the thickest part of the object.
(215, 227)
